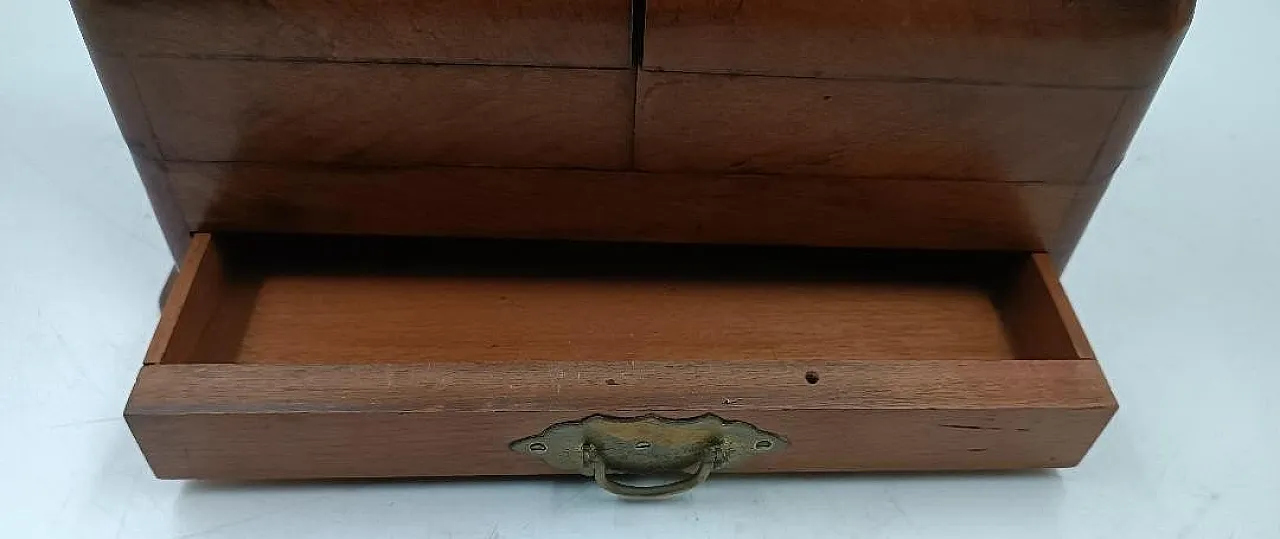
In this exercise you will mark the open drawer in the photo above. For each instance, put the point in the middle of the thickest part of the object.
(285, 357)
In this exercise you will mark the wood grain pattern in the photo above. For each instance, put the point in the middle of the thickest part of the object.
(935, 124)
(466, 201)
(296, 422)
(336, 300)
(192, 302)
(586, 33)
(388, 114)
(1081, 42)
(659, 386)
(1034, 91)
(718, 123)
(432, 319)
(346, 300)
(1038, 314)
(363, 357)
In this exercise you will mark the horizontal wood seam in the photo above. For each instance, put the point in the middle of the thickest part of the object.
(428, 63)
(360, 60)
(160, 412)
(620, 172)
(915, 80)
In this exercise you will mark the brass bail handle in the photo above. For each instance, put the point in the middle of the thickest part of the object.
(597, 445)
(600, 471)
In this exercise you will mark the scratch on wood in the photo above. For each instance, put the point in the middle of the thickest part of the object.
(968, 427)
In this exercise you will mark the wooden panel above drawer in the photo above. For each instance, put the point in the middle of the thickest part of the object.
(584, 33)
(775, 125)
(1075, 43)
(383, 114)
(576, 204)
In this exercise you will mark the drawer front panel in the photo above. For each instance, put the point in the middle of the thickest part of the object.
(260, 422)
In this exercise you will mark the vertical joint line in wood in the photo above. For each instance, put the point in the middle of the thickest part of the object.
(160, 161)
(1108, 135)
(1082, 189)
(638, 15)
(130, 64)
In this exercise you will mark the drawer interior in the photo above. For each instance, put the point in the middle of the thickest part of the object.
(318, 300)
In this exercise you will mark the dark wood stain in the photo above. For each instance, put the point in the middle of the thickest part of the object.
(388, 114)
(987, 130)
(583, 33)
(709, 208)
(1038, 92)
(710, 123)
(1045, 42)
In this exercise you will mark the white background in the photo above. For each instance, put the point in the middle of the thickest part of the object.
(1176, 282)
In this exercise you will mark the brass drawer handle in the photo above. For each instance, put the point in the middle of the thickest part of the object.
(601, 446)
(600, 472)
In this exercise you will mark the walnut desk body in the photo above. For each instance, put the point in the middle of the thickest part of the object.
(761, 235)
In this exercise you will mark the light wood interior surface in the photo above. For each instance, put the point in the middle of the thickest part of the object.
(341, 319)
(345, 300)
